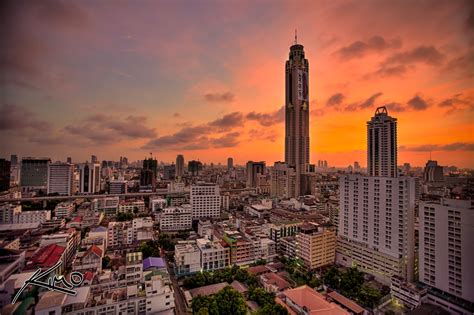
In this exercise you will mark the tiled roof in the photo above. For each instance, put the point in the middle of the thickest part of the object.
(314, 302)
(47, 256)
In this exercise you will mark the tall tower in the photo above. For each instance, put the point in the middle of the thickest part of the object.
(180, 166)
(297, 112)
(382, 144)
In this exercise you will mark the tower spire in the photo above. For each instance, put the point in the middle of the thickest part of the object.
(296, 36)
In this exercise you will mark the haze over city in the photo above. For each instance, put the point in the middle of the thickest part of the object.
(206, 79)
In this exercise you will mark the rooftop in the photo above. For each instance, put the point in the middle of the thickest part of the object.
(314, 302)
(153, 262)
(208, 289)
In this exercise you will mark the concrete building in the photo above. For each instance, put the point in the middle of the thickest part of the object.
(34, 174)
(60, 178)
(205, 201)
(187, 258)
(5, 168)
(433, 172)
(283, 181)
(254, 169)
(169, 172)
(89, 178)
(297, 112)
(64, 210)
(109, 205)
(230, 163)
(8, 212)
(131, 206)
(174, 219)
(382, 144)
(446, 255)
(157, 204)
(376, 225)
(179, 166)
(33, 216)
(118, 186)
(213, 254)
(316, 246)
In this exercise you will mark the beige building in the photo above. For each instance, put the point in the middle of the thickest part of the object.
(316, 246)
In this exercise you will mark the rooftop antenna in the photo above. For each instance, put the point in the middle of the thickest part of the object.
(296, 36)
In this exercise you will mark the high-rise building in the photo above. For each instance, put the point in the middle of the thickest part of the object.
(230, 163)
(148, 174)
(34, 173)
(94, 159)
(433, 172)
(254, 169)
(382, 144)
(356, 166)
(377, 212)
(60, 178)
(180, 166)
(297, 112)
(13, 159)
(283, 181)
(69, 160)
(169, 172)
(446, 257)
(205, 201)
(194, 167)
(4, 175)
(89, 178)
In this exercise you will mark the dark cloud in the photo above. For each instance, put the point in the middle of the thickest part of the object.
(263, 134)
(418, 103)
(395, 107)
(176, 115)
(268, 119)
(101, 128)
(317, 112)
(362, 48)
(20, 120)
(400, 63)
(369, 102)
(462, 65)
(219, 97)
(226, 141)
(457, 102)
(335, 99)
(456, 146)
(228, 121)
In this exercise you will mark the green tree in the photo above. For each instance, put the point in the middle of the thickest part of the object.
(230, 302)
(351, 281)
(204, 305)
(332, 278)
(272, 309)
(368, 296)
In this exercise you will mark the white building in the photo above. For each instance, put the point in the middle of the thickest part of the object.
(142, 229)
(187, 258)
(119, 234)
(132, 206)
(64, 210)
(382, 144)
(157, 204)
(32, 216)
(205, 201)
(107, 204)
(8, 212)
(376, 225)
(176, 218)
(446, 255)
(60, 178)
(213, 255)
(89, 178)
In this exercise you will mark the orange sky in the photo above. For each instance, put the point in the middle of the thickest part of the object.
(207, 79)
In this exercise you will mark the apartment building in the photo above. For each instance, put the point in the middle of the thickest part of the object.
(174, 219)
(316, 246)
(214, 254)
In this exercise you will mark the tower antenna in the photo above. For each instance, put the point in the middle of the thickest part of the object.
(296, 36)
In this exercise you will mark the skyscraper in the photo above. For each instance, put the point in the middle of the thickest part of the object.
(179, 166)
(253, 170)
(433, 172)
(148, 174)
(4, 175)
(60, 178)
(34, 173)
(230, 163)
(89, 178)
(194, 167)
(297, 112)
(382, 144)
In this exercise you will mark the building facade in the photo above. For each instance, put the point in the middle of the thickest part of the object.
(60, 178)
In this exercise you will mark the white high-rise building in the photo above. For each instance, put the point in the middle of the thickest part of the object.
(382, 144)
(377, 212)
(89, 178)
(205, 201)
(446, 255)
(60, 178)
(376, 225)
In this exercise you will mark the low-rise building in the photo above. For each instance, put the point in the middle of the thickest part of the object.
(409, 294)
(187, 258)
(32, 216)
(64, 210)
(175, 218)
(316, 246)
(214, 254)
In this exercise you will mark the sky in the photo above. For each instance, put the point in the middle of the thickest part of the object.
(206, 78)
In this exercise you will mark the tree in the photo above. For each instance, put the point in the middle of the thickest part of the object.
(272, 309)
(332, 277)
(105, 262)
(368, 295)
(122, 216)
(230, 302)
(149, 248)
(351, 281)
(203, 304)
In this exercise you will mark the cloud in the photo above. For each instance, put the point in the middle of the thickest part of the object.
(226, 141)
(228, 121)
(20, 120)
(268, 119)
(369, 102)
(464, 65)
(457, 102)
(361, 48)
(176, 115)
(399, 63)
(101, 128)
(395, 107)
(219, 97)
(317, 112)
(418, 103)
(335, 99)
(263, 134)
(456, 146)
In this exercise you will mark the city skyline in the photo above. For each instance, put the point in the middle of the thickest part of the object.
(110, 86)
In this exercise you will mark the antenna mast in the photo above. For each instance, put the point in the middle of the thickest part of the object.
(296, 36)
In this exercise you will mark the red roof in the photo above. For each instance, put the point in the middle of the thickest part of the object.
(77, 219)
(88, 275)
(47, 256)
(96, 250)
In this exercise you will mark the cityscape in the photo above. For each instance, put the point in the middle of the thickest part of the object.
(143, 171)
